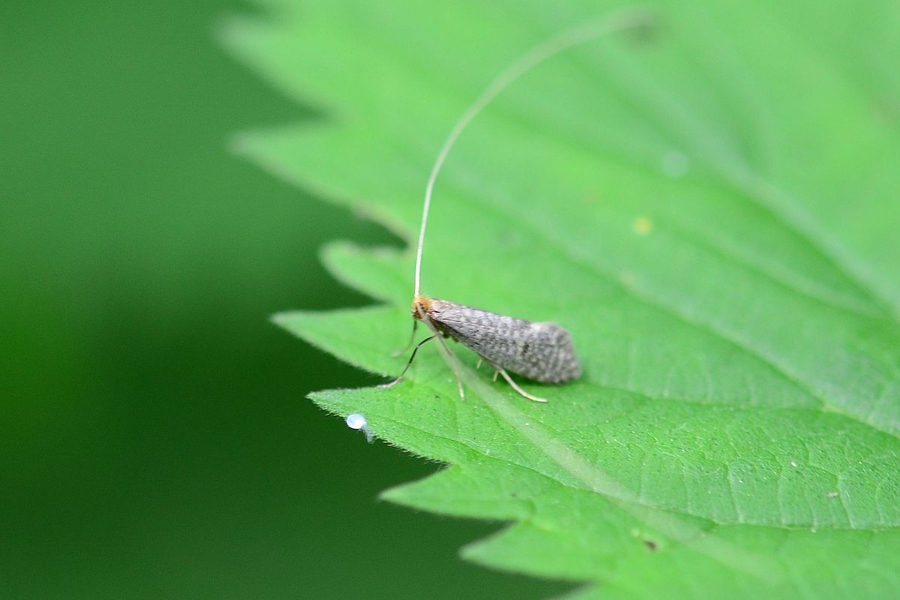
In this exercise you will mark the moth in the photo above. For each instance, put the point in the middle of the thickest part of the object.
(542, 352)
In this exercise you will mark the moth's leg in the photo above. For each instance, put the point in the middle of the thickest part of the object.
(462, 393)
(516, 387)
(494, 378)
(410, 342)
(478, 364)
(412, 356)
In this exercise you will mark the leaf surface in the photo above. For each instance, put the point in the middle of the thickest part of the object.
(713, 214)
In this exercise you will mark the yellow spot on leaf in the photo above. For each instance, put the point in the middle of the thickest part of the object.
(642, 225)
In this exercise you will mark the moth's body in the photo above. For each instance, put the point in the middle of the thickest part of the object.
(542, 352)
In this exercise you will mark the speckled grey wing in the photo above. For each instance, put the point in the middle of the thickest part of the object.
(539, 351)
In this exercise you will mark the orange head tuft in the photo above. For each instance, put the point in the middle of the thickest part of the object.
(421, 305)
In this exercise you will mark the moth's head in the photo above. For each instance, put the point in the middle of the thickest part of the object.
(421, 305)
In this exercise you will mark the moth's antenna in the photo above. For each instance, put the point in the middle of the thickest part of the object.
(626, 19)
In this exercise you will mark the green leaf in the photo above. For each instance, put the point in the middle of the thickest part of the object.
(712, 212)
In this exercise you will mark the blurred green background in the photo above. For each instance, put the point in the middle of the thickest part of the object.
(156, 441)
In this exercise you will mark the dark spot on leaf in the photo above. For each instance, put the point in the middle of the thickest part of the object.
(651, 545)
(647, 28)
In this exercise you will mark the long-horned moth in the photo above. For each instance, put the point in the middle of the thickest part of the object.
(542, 352)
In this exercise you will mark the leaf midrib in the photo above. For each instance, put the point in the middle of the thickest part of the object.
(631, 497)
